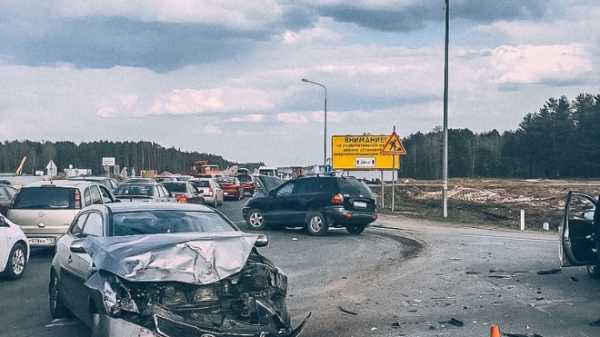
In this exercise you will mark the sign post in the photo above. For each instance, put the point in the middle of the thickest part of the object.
(108, 163)
(393, 147)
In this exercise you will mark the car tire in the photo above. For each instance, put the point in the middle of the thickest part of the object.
(356, 229)
(17, 261)
(256, 220)
(57, 307)
(316, 223)
(594, 271)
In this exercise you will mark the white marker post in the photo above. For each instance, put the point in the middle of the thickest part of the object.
(382, 191)
(522, 220)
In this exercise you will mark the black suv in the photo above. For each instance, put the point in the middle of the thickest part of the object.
(316, 203)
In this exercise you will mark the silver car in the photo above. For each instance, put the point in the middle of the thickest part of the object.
(44, 210)
(210, 190)
(169, 270)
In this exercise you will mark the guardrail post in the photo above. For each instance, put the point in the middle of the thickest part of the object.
(522, 220)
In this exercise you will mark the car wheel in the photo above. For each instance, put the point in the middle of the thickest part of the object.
(316, 223)
(594, 271)
(17, 260)
(57, 307)
(256, 219)
(355, 229)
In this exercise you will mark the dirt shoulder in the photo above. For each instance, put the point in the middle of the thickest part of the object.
(492, 202)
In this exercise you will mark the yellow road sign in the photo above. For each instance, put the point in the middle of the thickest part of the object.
(393, 146)
(361, 152)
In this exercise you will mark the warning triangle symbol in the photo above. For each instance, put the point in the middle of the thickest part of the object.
(393, 146)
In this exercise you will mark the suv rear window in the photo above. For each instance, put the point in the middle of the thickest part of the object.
(175, 187)
(201, 183)
(351, 186)
(45, 198)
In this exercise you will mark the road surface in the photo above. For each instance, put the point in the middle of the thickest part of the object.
(402, 278)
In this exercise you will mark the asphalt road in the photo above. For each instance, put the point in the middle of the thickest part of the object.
(390, 282)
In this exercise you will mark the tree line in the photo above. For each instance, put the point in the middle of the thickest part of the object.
(560, 140)
(138, 155)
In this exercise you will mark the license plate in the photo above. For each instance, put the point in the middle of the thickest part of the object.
(360, 204)
(41, 241)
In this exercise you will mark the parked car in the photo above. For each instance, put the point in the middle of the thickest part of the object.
(7, 194)
(167, 269)
(247, 183)
(317, 203)
(143, 191)
(210, 190)
(14, 249)
(184, 192)
(232, 188)
(45, 209)
(110, 183)
(265, 184)
(580, 233)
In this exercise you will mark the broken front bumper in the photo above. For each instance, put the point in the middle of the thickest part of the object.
(167, 327)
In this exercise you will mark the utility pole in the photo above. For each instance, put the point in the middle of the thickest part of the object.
(324, 119)
(445, 165)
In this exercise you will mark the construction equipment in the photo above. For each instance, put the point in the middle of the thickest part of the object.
(19, 170)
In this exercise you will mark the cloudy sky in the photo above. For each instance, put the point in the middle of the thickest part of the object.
(223, 76)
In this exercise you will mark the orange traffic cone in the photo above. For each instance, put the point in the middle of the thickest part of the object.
(495, 331)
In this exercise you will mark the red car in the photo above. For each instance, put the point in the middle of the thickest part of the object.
(247, 183)
(232, 188)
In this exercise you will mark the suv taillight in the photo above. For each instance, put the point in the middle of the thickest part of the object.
(77, 199)
(337, 199)
(181, 198)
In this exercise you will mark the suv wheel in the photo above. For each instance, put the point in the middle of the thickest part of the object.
(15, 266)
(256, 219)
(316, 223)
(594, 271)
(57, 307)
(355, 229)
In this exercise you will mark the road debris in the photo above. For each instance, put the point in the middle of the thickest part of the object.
(346, 311)
(549, 271)
(502, 276)
(469, 272)
(455, 322)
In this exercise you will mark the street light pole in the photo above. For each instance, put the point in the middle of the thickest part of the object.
(324, 118)
(445, 164)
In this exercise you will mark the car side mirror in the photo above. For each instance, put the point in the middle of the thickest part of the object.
(261, 241)
(77, 247)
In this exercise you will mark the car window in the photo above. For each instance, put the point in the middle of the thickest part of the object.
(176, 187)
(45, 198)
(582, 208)
(96, 196)
(87, 197)
(303, 186)
(351, 186)
(106, 197)
(285, 190)
(136, 189)
(201, 183)
(93, 225)
(78, 224)
(161, 222)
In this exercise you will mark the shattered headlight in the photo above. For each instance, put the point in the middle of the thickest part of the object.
(205, 294)
(116, 298)
(173, 296)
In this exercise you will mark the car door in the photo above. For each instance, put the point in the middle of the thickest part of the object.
(107, 196)
(68, 279)
(300, 200)
(579, 232)
(82, 266)
(278, 204)
(5, 241)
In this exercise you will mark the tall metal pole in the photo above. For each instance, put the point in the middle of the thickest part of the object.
(324, 118)
(445, 169)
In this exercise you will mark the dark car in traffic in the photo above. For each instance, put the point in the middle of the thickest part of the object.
(247, 183)
(184, 192)
(7, 194)
(169, 270)
(317, 203)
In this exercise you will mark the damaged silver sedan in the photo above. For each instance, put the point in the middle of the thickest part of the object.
(170, 270)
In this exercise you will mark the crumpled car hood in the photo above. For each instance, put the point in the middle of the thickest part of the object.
(194, 258)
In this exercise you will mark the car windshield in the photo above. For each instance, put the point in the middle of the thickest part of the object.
(167, 221)
(351, 186)
(45, 198)
(245, 178)
(201, 183)
(135, 189)
(175, 187)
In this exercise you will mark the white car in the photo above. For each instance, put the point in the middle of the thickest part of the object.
(14, 249)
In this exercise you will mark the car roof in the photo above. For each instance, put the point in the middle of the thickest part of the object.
(91, 178)
(62, 183)
(140, 182)
(156, 206)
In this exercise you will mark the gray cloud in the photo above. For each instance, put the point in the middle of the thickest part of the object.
(415, 16)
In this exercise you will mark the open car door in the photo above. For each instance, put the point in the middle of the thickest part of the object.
(579, 233)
